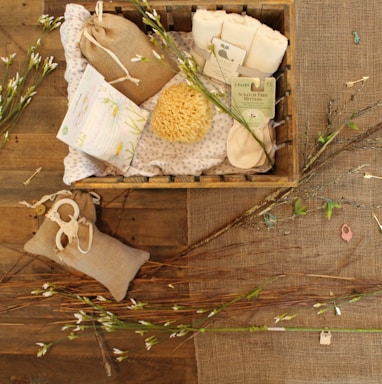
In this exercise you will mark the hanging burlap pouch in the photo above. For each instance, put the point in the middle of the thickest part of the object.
(110, 42)
(44, 241)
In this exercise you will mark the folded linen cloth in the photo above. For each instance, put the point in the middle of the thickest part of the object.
(265, 46)
(266, 51)
(205, 26)
(239, 30)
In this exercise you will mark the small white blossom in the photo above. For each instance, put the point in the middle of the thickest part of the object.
(44, 349)
(48, 293)
(137, 58)
(167, 323)
(35, 60)
(80, 316)
(150, 342)
(212, 313)
(143, 322)
(284, 317)
(9, 59)
(49, 66)
(121, 355)
(152, 15)
(156, 54)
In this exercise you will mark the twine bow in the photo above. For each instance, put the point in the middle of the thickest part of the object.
(99, 13)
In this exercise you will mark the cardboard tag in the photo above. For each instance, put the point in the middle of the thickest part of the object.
(254, 99)
(325, 338)
(224, 61)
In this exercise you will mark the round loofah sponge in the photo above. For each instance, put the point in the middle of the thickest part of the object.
(182, 114)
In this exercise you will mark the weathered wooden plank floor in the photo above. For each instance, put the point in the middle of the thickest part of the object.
(151, 220)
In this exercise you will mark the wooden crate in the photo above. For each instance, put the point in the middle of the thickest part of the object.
(177, 16)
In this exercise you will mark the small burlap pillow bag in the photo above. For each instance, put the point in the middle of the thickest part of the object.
(110, 42)
(105, 259)
(44, 241)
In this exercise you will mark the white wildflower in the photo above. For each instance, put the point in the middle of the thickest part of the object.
(35, 60)
(152, 15)
(137, 58)
(284, 317)
(121, 355)
(157, 55)
(80, 316)
(168, 323)
(9, 59)
(134, 304)
(212, 313)
(150, 342)
(143, 322)
(49, 66)
(44, 349)
(46, 285)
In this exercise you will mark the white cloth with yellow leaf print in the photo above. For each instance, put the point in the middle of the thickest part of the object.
(102, 122)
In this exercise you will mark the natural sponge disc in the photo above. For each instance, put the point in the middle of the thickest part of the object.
(182, 114)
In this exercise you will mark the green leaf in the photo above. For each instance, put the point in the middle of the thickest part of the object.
(352, 125)
(269, 219)
(298, 209)
(324, 139)
(329, 206)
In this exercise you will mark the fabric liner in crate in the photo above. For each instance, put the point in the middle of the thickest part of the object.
(153, 155)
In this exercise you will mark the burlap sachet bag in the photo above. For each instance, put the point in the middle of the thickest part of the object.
(107, 260)
(110, 42)
(44, 241)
